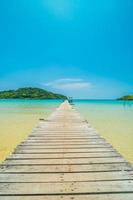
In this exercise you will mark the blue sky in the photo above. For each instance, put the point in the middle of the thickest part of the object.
(81, 48)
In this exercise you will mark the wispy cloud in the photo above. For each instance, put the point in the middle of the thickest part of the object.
(69, 84)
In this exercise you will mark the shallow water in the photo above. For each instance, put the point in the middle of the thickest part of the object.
(113, 120)
(18, 118)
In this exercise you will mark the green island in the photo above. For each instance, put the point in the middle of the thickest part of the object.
(127, 97)
(30, 93)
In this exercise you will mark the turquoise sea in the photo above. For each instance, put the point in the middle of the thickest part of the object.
(112, 119)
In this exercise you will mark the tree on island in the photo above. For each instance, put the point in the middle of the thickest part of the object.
(30, 93)
(127, 97)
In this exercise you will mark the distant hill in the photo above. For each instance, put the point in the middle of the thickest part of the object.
(30, 93)
(127, 97)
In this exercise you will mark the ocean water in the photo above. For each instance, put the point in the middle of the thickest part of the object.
(112, 119)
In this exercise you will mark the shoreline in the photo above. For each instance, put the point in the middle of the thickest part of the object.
(19, 117)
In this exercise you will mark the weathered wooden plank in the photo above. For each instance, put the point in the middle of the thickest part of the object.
(74, 150)
(117, 196)
(64, 177)
(65, 168)
(64, 141)
(63, 155)
(61, 143)
(61, 130)
(65, 136)
(50, 140)
(68, 188)
(76, 131)
(65, 146)
(65, 161)
(69, 133)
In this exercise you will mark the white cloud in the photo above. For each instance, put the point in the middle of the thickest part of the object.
(69, 84)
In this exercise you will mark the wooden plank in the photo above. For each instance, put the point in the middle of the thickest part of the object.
(36, 137)
(65, 146)
(74, 150)
(65, 141)
(70, 133)
(65, 136)
(65, 168)
(117, 196)
(68, 188)
(63, 155)
(65, 161)
(45, 131)
(64, 177)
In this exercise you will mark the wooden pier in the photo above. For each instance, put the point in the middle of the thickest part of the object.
(64, 158)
